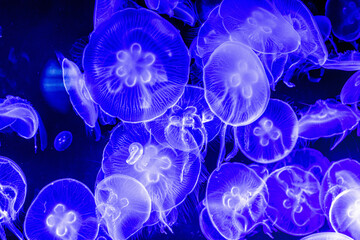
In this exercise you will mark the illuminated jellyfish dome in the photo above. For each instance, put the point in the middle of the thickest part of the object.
(136, 65)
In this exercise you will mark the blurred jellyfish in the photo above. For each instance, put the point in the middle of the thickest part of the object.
(324, 26)
(346, 61)
(236, 199)
(207, 228)
(259, 25)
(168, 175)
(327, 118)
(13, 189)
(64, 209)
(124, 204)
(204, 7)
(236, 87)
(63, 141)
(136, 65)
(294, 201)
(350, 93)
(272, 136)
(345, 18)
(326, 236)
(189, 124)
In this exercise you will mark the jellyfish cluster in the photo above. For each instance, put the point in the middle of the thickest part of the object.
(190, 102)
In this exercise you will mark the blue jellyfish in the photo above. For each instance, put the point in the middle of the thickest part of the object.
(62, 141)
(236, 87)
(207, 228)
(136, 65)
(324, 25)
(64, 209)
(259, 25)
(204, 7)
(345, 18)
(168, 175)
(294, 206)
(346, 61)
(272, 136)
(236, 199)
(124, 204)
(326, 236)
(79, 96)
(350, 93)
(327, 118)
(104, 9)
(13, 189)
(189, 124)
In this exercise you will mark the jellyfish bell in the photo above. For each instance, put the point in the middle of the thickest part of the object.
(326, 236)
(324, 25)
(136, 65)
(236, 87)
(64, 209)
(204, 7)
(350, 93)
(62, 141)
(124, 204)
(294, 206)
(272, 136)
(207, 228)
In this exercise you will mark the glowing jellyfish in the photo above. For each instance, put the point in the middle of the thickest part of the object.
(236, 87)
(136, 65)
(346, 61)
(189, 124)
(324, 25)
(259, 25)
(207, 228)
(79, 96)
(327, 118)
(63, 141)
(350, 93)
(342, 175)
(104, 9)
(345, 18)
(13, 189)
(64, 209)
(168, 175)
(236, 199)
(326, 236)
(124, 204)
(272, 136)
(294, 201)
(204, 7)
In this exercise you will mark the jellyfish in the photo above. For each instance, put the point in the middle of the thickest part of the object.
(13, 189)
(189, 124)
(294, 206)
(62, 141)
(345, 18)
(168, 175)
(272, 136)
(327, 118)
(324, 25)
(350, 93)
(204, 7)
(124, 204)
(104, 9)
(64, 209)
(79, 96)
(326, 236)
(207, 228)
(136, 65)
(236, 87)
(236, 199)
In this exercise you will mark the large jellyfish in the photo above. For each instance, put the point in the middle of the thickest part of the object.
(236, 87)
(136, 65)
(272, 136)
(326, 236)
(207, 227)
(350, 93)
(64, 209)
(294, 206)
(168, 175)
(236, 199)
(62, 141)
(124, 204)
(189, 124)
(13, 189)
(345, 18)
(259, 25)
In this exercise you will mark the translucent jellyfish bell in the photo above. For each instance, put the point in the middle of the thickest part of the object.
(294, 206)
(124, 204)
(236, 86)
(104, 9)
(350, 93)
(272, 136)
(324, 24)
(326, 236)
(13, 189)
(64, 209)
(62, 141)
(136, 65)
(259, 25)
(236, 199)
(207, 228)
(345, 18)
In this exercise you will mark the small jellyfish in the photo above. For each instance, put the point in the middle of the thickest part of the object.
(236, 199)
(345, 18)
(64, 209)
(324, 24)
(294, 206)
(272, 136)
(259, 25)
(13, 189)
(136, 65)
(326, 236)
(207, 228)
(350, 93)
(104, 9)
(62, 141)
(236, 86)
(204, 7)
(124, 204)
